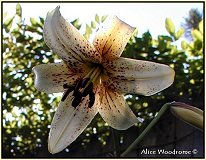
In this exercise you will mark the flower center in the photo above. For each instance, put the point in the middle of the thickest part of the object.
(83, 87)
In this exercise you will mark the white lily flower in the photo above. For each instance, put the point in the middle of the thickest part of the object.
(93, 77)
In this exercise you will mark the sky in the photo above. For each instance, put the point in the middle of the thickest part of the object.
(143, 16)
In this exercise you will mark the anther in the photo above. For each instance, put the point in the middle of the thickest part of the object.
(80, 91)
(88, 90)
(84, 82)
(91, 99)
(66, 86)
(76, 89)
(66, 92)
(76, 101)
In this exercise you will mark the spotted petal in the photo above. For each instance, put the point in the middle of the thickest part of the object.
(136, 76)
(70, 39)
(112, 38)
(114, 110)
(53, 42)
(50, 78)
(69, 122)
(137, 69)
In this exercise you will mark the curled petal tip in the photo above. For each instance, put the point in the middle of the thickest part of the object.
(53, 149)
(50, 149)
(57, 8)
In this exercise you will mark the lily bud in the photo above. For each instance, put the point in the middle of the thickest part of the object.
(187, 113)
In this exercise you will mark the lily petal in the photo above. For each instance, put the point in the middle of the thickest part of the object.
(53, 42)
(130, 69)
(139, 77)
(50, 78)
(146, 87)
(112, 38)
(69, 122)
(71, 40)
(114, 110)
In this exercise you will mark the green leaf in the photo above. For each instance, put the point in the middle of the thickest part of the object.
(170, 26)
(197, 35)
(41, 20)
(132, 38)
(179, 33)
(165, 38)
(76, 23)
(88, 31)
(18, 10)
(184, 45)
(103, 18)
(147, 38)
(198, 45)
(97, 18)
(93, 25)
(201, 26)
(31, 28)
(33, 21)
(8, 24)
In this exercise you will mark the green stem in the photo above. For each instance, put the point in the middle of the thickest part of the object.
(164, 108)
(115, 142)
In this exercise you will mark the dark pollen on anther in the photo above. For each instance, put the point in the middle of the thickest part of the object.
(91, 99)
(79, 91)
(76, 101)
(67, 90)
(88, 90)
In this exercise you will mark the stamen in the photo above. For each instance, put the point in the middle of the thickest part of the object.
(87, 90)
(76, 101)
(65, 86)
(91, 99)
(77, 88)
(66, 91)
(84, 82)
(88, 75)
(95, 74)
(83, 88)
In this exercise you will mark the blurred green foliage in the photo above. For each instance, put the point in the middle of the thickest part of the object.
(27, 113)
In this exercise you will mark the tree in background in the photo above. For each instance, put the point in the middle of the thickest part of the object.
(192, 21)
(27, 113)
